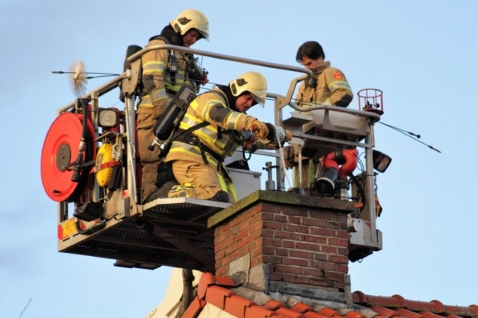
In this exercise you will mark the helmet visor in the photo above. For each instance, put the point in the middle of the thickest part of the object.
(203, 30)
(259, 97)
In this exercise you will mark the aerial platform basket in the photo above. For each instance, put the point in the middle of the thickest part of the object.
(112, 223)
(170, 231)
(106, 219)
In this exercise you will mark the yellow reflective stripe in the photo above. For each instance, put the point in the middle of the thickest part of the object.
(232, 189)
(194, 105)
(184, 148)
(178, 146)
(148, 100)
(179, 77)
(154, 66)
(339, 84)
(232, 120)
(208, 133)
(158, 94)
(189, 121)
(222, 182)
(214, 144)
(171, 87)
(224, 187)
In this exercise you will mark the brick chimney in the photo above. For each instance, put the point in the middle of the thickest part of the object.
(286, 238)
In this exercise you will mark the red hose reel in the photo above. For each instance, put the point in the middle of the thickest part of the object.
(60, 148)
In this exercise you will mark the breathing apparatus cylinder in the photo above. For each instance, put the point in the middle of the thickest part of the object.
(168, 122)
(104, 156)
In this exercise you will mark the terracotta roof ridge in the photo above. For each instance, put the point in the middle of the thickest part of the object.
(397, 301)
(229, 295)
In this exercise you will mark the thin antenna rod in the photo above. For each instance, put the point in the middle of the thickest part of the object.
(25, 308)
(408, 133)
(96, 73)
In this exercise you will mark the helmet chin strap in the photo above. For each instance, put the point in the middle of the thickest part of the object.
(231, 100)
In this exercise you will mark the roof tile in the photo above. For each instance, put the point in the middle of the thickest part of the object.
(354, 314)
(359, 297)
(408, 314)
(313, 315)
(390, 302)
(237, 306)
(328, 312)
(384, 311)
(428, 314)
(273, 305)
(212, 290)
(217, 296)
(194, 308)
(259, 312)
(459, 311)
(289, 313)
(301, 308)
(435, 307)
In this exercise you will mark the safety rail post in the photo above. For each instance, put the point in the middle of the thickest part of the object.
(280, 175)
(130, 118)
(95, 112)
(369, 182)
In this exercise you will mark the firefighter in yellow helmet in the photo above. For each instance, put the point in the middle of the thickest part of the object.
(197, 153)
(164, 72)
(332, 89)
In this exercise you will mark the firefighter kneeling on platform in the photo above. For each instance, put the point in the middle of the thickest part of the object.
(211, 130)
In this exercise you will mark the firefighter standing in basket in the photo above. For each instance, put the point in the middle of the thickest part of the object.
(332, 89)
(164, 72)
(196, 156)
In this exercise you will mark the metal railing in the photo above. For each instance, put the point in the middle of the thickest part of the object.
(279, 103)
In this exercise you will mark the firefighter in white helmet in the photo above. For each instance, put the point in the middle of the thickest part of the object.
(164, 72)
(213, 127)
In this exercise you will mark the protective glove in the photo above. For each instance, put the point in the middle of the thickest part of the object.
(271, 136)
(283, 135)
(288, 135)
(260, 129)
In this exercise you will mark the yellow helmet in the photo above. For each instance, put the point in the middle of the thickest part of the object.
(191, 19)
(253, 83)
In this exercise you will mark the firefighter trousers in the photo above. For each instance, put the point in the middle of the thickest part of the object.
(147, 118)
(201, 181)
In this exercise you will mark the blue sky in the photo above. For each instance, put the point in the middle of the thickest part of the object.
(422, 54)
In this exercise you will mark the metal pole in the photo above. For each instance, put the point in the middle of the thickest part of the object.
(278, 122)
(138, 55)
(94, 118)
(130, 117)
(369, 185)
(300, 167)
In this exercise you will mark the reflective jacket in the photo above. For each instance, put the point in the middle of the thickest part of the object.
(219, 137)
(332, 88)
(158, 80)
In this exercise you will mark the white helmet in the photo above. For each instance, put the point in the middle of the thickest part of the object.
(191, 19)
(253, 83)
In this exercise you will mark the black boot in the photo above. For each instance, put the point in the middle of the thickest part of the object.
(160, 193)
(221, 196)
